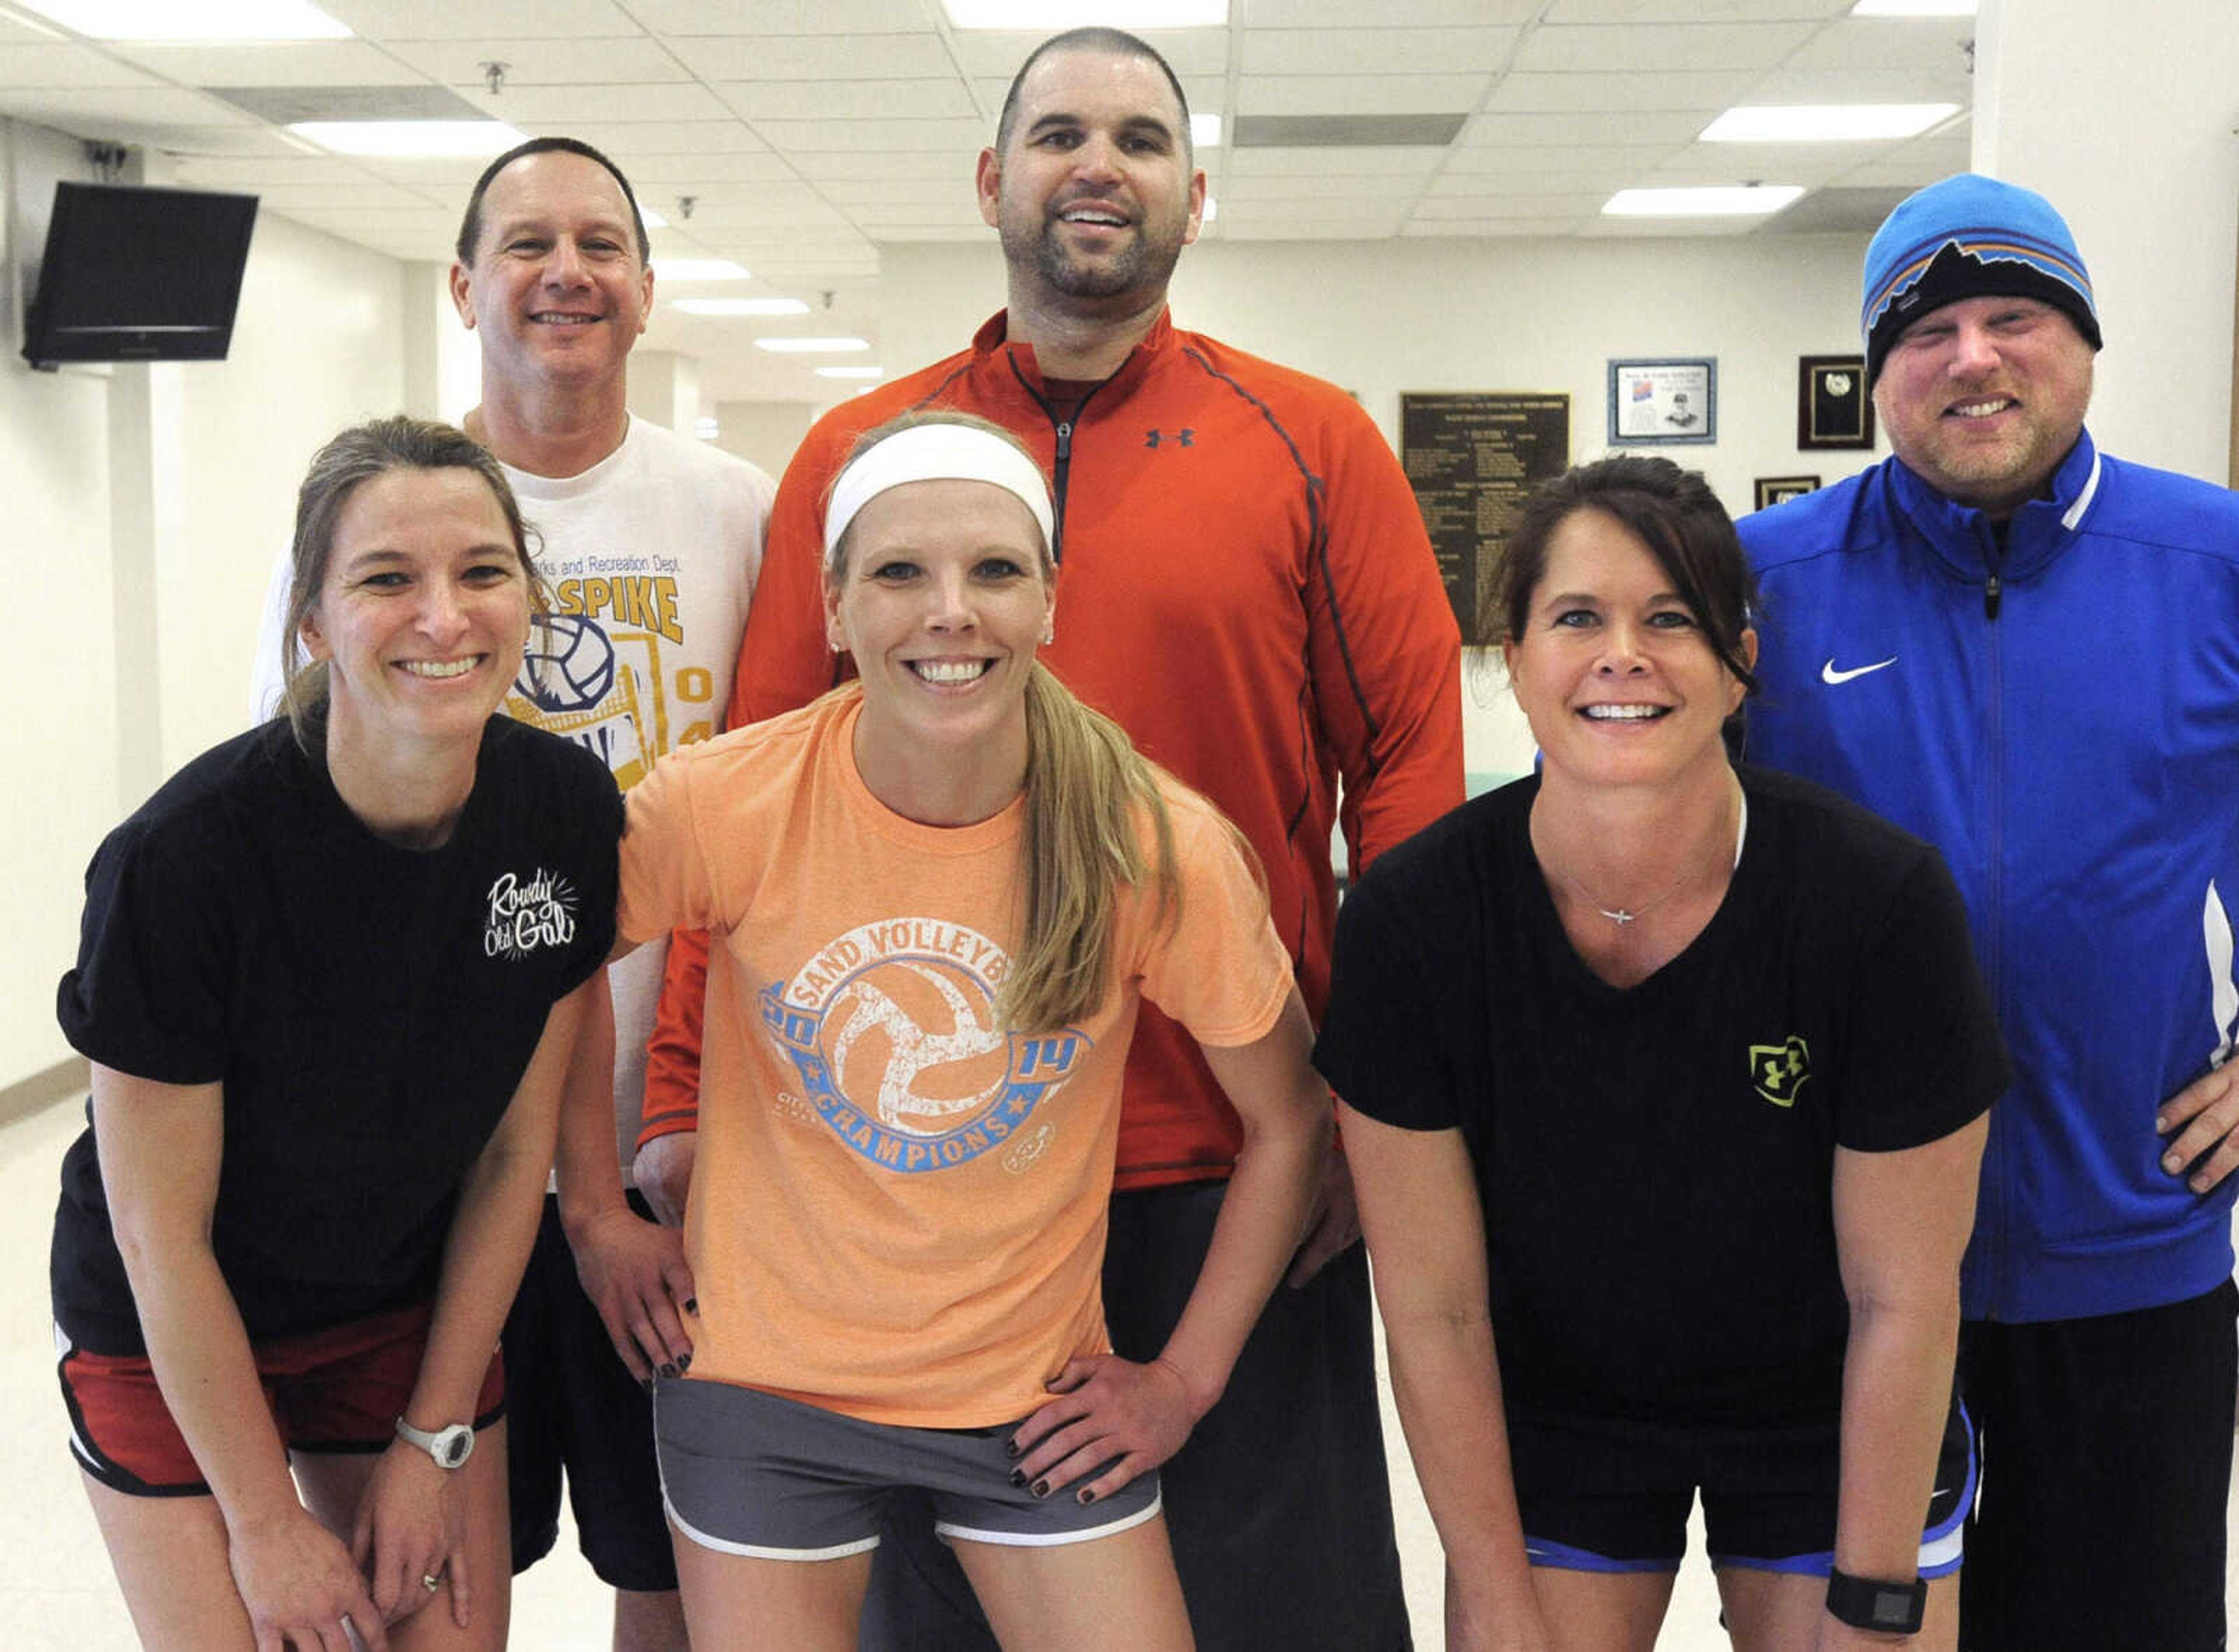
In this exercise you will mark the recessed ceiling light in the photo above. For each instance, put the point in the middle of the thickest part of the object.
(812, 346)
(1913, 9)
(700, 270)
(1204, 130)
(1049, 17)
(413, 140)
(741, 306)
(1824, 123)
(851, 373)
(1717, 201)
(206, 20)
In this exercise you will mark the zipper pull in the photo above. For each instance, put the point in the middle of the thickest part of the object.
(1064, 441)
(1991, 587)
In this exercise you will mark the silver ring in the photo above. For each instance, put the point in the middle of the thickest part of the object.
(431, 1580)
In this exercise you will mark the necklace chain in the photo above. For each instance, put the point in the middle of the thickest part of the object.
(1621, 916)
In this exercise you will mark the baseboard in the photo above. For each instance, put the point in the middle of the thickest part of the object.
(42, 1090)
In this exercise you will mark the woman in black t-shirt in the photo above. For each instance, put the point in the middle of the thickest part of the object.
(329, 980)
(1672, 1078)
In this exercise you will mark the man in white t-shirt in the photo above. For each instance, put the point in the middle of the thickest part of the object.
(651, 543)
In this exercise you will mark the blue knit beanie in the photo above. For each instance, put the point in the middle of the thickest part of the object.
(1969, 236)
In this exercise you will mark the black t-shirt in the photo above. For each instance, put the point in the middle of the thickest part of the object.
(368, 1010)
(1656, 1162)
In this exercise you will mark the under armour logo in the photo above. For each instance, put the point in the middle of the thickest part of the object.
(1185, 437)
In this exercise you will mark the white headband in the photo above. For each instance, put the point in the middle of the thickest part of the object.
(936, 453)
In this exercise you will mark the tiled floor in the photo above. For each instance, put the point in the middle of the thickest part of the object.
(56, 1592)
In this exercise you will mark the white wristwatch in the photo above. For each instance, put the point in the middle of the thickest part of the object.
(450, 1447)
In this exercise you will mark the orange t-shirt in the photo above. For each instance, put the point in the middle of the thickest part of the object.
(898, 1207)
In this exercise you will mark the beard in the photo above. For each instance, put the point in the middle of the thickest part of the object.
(1145, 263)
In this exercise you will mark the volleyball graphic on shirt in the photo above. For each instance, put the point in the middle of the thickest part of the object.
(892, 1029)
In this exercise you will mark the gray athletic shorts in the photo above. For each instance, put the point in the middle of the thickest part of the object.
(744, 1472)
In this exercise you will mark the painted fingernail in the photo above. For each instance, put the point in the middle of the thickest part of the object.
(1087, 1496)
(1010, 1448)
(668, 1369)
(691, 1305)
(1018, 1477)
(1041, 1487)
(646, 1383)
(683, 1363)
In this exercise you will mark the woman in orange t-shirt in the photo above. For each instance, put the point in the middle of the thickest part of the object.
(936, 898)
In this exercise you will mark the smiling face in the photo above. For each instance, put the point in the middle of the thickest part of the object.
(1612, 669)
(556, 289)
(424, 609)
(1984, 397)
(942, 592)
(1093, 191)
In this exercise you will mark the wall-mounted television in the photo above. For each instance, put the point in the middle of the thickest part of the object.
(138, 274)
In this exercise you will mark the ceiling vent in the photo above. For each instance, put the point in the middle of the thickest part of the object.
(1345, 131)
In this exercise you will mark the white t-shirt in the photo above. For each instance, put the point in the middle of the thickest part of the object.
(651, 555)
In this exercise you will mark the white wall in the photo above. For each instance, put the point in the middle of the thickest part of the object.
(763, 433)
(1387, 316)
(143, 507)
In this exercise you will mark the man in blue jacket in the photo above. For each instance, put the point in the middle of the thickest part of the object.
(2028, 651)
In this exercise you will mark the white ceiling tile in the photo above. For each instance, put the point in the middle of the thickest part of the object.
(1936, 44)
(1702, 163)
(996, 53)
(962, 139)
(59, 64)
(834, 165)
(348, 198)
(1203, 92)
(1581, 160)
(306, 63)
(883, 220)
(818, 57)
(877, 192)
(452, 20)
(1708, 91)
(1486, 228)
(1390, 14)
(1286, 228)
(531, 108)
(1862, 86)
(449, 177)
(708, 190)
(129, 111)
(1665, 48)
(748, 207)
(623, 138)
(1359, 94)
(252, 172)
(542, 62)
(932, 232)
(1317, 163)
(1331, 187)
(1589, 12)
(1897, 172)
(1618, 126)
(1508, 205)
(654, 170)
(1376, 51)
(1553, 181)
(780, 17)
(846, 100)
(1630, 228)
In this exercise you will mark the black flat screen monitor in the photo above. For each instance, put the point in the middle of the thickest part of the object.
(138, 274)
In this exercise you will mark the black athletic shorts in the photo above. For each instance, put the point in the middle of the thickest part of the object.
(572, 1403)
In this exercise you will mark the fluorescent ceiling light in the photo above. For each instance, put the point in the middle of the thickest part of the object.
(741, 306)
(653, 220)
(851, 373)
(700, 270)
(1204, 130)
(1049, 17)
(1716, 200)
(1824, 123)
(811, 346)
(204, 20)
(411, 140)
(1913, 9)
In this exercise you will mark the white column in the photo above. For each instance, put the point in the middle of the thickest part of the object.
(664, 387)
(2122, 115)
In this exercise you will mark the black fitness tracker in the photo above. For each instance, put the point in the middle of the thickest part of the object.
(1872, 1603)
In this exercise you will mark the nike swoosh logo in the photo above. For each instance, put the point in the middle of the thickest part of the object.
(1828, 673)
